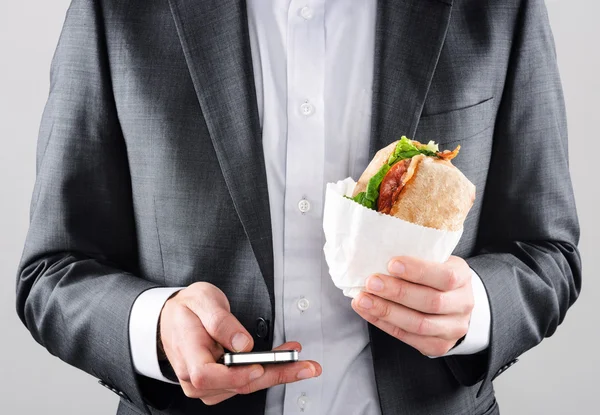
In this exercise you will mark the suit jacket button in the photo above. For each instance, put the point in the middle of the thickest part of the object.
(262, 328)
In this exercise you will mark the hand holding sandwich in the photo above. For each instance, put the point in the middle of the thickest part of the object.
(426, 305)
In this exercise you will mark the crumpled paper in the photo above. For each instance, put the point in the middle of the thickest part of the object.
(360, 242)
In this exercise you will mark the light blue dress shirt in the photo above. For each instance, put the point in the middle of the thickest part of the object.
(313, 76)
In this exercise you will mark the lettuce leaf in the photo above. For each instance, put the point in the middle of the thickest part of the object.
(405, 149)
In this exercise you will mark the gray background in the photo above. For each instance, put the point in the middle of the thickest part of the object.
(557, 377)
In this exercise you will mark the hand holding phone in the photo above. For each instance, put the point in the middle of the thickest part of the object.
(196, 325)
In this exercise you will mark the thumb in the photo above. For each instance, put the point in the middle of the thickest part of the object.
(212, 308)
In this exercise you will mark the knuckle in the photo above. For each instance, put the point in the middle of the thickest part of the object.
(190, 392)
(419, 274)
(216, 349)
(437, 303)
(423, 326)
(198, 379)
(399, 290)
(181, 373)
(452, 278)
(384, 309)
(437, 349)
(196, 292)
(281, 377)
(199, 291)
(370, 318)
(469, 306)
(398, 333)
(244, 389)
(239, 381)
(216, 321)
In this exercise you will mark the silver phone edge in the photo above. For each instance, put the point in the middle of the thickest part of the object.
(266, 357)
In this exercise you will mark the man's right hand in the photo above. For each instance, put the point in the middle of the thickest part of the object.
(195, 326)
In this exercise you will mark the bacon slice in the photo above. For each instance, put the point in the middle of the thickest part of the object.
(390, 185)
(394, 181)
(447, 154)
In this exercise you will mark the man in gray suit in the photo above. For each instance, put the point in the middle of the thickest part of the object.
(181, 167)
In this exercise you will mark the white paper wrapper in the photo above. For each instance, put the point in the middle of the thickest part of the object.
(360, 241)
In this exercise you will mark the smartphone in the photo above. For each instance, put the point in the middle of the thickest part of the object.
(275, 356)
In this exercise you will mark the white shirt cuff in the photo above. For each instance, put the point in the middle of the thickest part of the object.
(478, 335)
(143, 325)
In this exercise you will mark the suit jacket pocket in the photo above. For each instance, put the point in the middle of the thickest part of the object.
(456, 125)
(469, 127)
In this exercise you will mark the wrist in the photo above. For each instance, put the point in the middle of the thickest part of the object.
(160, 349)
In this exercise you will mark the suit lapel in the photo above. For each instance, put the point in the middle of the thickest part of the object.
(215, 41)
(408, 41)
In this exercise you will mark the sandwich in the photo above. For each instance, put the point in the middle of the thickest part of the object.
(417, 183)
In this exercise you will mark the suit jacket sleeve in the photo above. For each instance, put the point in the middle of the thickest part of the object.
(528, 260)
(77, 277)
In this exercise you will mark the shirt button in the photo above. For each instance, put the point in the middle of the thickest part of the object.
(303, 402)
(304, 205)
(306, 12)
(303, 304)
(307, 109)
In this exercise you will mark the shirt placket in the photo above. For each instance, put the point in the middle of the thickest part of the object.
(303, 202)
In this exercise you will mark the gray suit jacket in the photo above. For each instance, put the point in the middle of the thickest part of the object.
(150, 173)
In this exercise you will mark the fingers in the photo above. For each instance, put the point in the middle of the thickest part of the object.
(428, 346)
(213, 379)
(373, 308)
(446, 276)
(419, 297)
(216, 383)
(212, 308)
(281, 374)
(196, 326)
(197, 365)
(216, 376)
(290, 346)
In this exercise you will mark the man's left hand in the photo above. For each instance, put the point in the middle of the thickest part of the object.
(426, 305)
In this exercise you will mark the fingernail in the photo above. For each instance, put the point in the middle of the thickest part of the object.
(305, 374)
(397, 268)
(255, 374)
(365, 303)
(375, 283)
(239, 342)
